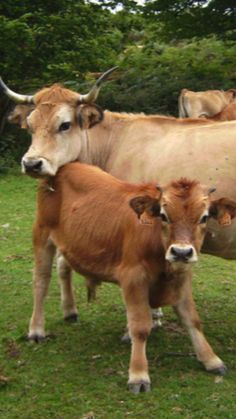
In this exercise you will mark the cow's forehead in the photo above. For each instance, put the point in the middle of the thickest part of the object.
(179, 200)
(50, 114)
(56, 94)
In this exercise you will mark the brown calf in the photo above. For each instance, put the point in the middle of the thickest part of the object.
(227, 114)
(138, 236)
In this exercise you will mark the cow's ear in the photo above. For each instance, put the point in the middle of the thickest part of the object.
(223, 210)
(89, 115)
(145, 205)
(233, 91)
(19, 115)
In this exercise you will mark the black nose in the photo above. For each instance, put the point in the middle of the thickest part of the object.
(181, 253)
(33, 166)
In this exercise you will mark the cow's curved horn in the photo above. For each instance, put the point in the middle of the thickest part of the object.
(92, 95)
(16, 97)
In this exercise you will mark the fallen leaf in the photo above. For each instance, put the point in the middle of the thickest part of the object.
(3, 379)
(218, 379)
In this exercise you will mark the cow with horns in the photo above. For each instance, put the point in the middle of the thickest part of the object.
(67, 126)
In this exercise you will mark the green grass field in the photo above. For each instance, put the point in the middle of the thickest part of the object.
(81, 371)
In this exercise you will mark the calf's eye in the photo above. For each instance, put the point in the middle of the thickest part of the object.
(164, 217)
(64, 126)
(204, 219)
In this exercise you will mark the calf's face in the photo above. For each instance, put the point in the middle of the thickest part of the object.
(184, 208)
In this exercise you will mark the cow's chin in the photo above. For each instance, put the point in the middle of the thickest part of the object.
(180, 266)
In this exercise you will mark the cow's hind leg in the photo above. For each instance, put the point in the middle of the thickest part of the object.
(187, 311)
(67, 294)
(139, 324)
(44, 253)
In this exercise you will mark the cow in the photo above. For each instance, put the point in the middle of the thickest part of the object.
(144, 237)
(132, 147)
(227, 114)
(204, 104)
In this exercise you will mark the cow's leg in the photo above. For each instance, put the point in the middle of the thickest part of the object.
(67, 294)
(187, 311)
(139, 324)
(44, 253)
(157, 315)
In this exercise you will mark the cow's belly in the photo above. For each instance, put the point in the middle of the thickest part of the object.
(220, 241)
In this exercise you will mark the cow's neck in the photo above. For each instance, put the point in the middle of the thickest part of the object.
(102, 141)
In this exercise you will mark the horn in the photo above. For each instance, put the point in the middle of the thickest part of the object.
(92, 95)
(16, 97)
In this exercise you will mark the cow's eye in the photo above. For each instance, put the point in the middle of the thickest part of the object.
(164, 217)
(64, 126)
(204, 219)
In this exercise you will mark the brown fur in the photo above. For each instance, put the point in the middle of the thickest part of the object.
(86, 213)
(227, 114)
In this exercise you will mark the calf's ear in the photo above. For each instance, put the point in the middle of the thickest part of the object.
(223, 210)
(89, 115)
(145, 204)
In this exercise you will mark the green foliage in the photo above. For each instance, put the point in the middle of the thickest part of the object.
(70, 42)
(185, 19)
(155, 73)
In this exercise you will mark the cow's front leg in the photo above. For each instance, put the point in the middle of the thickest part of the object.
(67, 294)
(44, 253)
(187, 311)
(139, 324)
(157, 315)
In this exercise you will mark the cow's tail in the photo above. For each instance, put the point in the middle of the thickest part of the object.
(182, 110)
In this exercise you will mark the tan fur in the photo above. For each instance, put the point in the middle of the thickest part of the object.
(203, 104)
(227, 114)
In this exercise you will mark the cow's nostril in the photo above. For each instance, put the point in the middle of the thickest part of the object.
(34, 166)
(38, 165)
(181, 252)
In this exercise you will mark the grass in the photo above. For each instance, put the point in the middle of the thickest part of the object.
(82, 369)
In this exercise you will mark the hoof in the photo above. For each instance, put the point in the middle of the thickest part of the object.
(140, 387)
(72, 318)
(36, 338)
(219, 371)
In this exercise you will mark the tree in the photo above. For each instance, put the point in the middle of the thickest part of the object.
(184, 19)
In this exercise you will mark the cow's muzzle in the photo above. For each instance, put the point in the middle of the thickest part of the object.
(32, 167)
(181, 253)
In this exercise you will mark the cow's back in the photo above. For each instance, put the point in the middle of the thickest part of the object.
(93, 213)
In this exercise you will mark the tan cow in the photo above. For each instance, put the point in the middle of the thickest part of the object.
(134, 148)
(204, 104)
(227, 114)
(86, 213)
